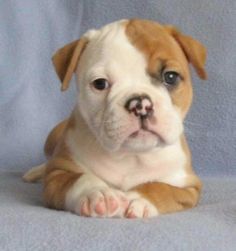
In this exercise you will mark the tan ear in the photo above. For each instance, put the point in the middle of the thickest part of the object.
(195, 51)
(65, 60)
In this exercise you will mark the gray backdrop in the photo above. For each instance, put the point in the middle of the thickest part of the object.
(30, 99)
(31, 104)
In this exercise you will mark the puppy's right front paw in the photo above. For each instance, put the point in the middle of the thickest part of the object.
(105, 202)
(141, 208)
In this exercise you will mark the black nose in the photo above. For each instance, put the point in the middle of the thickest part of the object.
(141, 106)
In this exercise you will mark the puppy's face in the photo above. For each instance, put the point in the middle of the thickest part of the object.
(134, 86)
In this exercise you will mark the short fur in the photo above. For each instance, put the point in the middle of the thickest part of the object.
(95, 166)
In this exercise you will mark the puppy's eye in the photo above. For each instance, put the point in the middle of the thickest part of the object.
(100, 84)
(171, 78)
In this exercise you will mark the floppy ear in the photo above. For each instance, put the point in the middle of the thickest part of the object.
(194, 51)
(66, 59)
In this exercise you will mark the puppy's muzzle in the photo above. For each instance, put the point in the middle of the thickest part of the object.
(140, 105)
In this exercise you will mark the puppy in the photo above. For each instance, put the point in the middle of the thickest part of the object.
(122, 152)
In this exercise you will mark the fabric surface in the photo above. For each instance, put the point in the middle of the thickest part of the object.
(31, 104)
(26, 225)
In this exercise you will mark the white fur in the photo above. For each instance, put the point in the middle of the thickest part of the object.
(127, 170)
(110, 55)
(91, 190)
(80, 187)
(140, 207)
(105, 125)
(101, 143)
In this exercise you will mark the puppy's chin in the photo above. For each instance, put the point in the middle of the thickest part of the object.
(141, 141)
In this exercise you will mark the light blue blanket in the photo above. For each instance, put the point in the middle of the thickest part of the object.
(31, 104)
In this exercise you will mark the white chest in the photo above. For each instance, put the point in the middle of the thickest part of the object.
(125, 171)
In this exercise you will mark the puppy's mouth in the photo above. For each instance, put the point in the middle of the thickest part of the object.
(143, 133)
(142, 139)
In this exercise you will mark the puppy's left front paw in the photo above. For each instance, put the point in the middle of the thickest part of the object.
(141, 208)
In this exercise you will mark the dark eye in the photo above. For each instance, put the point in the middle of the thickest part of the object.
(171, 77)
(100, 84)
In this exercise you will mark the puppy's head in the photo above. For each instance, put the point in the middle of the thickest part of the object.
(133, 81)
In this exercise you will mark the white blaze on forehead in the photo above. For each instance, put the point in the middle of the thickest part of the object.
(110, 54)
(91, 34)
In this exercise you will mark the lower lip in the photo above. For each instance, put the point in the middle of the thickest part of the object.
(142, 133)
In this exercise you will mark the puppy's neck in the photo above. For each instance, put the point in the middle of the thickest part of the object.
(125, 169)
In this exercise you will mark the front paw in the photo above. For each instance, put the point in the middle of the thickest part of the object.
(141, 208)
(105, 202)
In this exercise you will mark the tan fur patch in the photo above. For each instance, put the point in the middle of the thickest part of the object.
(66, 59)
(162, 49)
(61, 171)
(56, 184)
(168, 198)
(195, 51)
(54, 137)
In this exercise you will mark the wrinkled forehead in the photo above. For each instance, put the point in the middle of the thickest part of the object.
(110, 47)
(157, 44)
(129, 43)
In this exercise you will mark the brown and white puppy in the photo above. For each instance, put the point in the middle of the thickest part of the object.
(122, 152)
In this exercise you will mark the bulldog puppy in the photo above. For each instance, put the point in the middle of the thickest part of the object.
(122, 152)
